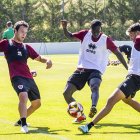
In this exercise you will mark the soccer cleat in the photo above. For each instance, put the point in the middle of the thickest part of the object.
(84, 129)
(24, 129)
(80, 119)
(92, 112)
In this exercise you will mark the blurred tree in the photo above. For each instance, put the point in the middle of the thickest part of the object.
(134, 10)
(44, 16)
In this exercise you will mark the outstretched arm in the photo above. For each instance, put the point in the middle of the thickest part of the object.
(120, 58)
(44, 60)
(64, 26)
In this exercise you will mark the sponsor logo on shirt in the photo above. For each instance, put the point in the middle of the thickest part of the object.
(91, 48)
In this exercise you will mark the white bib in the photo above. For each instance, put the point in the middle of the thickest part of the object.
(134, 65)
(93, 55)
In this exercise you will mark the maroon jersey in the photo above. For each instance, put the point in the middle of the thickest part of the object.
(80, 35)
(16, 56)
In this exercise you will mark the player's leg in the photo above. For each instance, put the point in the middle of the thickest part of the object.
(126, 89)
(112, 100)
(34, 97)
(94, 84)
(68, 92)
(133, 85)
(22, 107)
(76, 82)
(133, 103)
(33, 107)
(18, 84)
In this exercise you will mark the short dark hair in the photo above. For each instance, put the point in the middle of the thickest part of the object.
(20, 23)
(133, 28)
(95, 23)
(9, 23)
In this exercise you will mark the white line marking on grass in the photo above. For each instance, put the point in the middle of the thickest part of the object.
(39, 131)
(57, 137)
(6, 121)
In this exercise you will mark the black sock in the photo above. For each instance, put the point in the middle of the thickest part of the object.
(90, 125)
(23, 121)
(19, 122)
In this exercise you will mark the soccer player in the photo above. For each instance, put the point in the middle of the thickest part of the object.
(127, 89)
(93, 59)
(16, 54)
(126, 49)
(9, 32)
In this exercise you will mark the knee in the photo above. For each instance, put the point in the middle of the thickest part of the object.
(36, 104)
(69, 90)
(67, 94)
(109, 103)
(94, 87)
(126, 101)
(23, 98)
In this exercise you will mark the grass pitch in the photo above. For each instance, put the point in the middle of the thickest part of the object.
(51, 121)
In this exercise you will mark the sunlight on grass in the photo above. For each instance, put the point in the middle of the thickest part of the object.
(51, 121)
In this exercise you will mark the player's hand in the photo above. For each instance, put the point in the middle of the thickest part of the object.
(64, 23)
(49, 64)
(34, 73)
(114, 62)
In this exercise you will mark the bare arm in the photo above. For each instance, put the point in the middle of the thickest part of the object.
(44, 60)
(121, 58)
(66, 32)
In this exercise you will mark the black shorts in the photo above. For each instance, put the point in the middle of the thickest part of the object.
(81, 76)
(22, 84)
(130, 86)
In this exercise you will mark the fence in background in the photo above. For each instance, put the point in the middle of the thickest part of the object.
(64, 47)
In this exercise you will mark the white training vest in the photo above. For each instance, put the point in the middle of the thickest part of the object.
(93, 55)
(134, 65)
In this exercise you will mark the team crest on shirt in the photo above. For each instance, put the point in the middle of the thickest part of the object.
(19, 53)
(20, 86)
(91, 48)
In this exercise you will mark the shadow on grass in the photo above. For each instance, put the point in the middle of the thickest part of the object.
(130, 126)
(46, 130)
(39, 130)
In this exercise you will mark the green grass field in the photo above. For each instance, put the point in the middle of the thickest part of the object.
(51, 121)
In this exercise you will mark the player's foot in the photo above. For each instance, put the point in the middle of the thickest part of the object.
(80, 119)
(92, 112)
(18, 123)
(24, 129)
(84, 129)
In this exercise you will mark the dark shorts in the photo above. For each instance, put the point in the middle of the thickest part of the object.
(22, 84)
(81, 76)
(130, 86)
